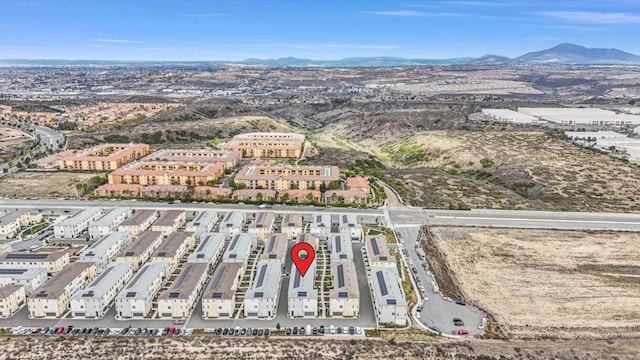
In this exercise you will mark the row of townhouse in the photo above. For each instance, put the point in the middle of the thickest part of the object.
(261, 299)
(74, 226)
(12, 221)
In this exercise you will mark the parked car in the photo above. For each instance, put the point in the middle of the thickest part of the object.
(295, 331)
(321, 329)
(358, 330)
(172, 330)
(434, 328)
(461, 303)
(60, 330)
(255, 332)
(458, 322)
(287, 331)
(463, 332)
(267, 332)
(352, 330)
(260, 332)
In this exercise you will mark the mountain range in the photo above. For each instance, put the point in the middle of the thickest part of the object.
(561, 54)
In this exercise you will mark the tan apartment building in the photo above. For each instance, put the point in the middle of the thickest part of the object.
(344, 297)
(267, 144)
(53, 298)
(173, 249)
(219, 298)
(169, 221)
(54, 261)
(12, 297)
(377, 252)
(346, 197)
(254, 194)
(178, 300)
(141, 249)
(299, 196)
(103, 157)
(167, 173)
(230, 159)
(287, 177)
(139, 222)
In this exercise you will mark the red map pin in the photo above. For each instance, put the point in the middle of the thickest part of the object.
(302, 263)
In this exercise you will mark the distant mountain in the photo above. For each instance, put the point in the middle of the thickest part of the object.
(490, 59)
(576, 54)
(561, 54)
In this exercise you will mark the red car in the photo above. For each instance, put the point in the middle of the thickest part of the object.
(60, 330)
(463, 332)
(172, 330)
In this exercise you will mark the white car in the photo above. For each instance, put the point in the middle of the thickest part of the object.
(358, 331)
(418, 315)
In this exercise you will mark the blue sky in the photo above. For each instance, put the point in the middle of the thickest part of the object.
(321, 29)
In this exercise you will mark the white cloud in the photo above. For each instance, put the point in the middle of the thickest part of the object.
(589, 17)
(121, 41)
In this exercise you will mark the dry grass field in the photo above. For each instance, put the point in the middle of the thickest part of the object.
(548, 284)
(201, 347)
(510, 170)
(12, 141)
(42, 184)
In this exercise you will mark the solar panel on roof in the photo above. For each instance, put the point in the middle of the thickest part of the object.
(340, 269)
(391, 301)
(382, 284)
(183, 275)
(343, 294)
(216, 295)
(261, 275)
(216, 279)
(374, 246)
(131, 294)
(302, 293)
(233, 256)
(88, 294)
(162, 254)
(272, 244)
(258, 294)
(383, 258)
(30, 256)
(338, 244)
(200, 256)
(41, 294)
(234, 242)
(12, 271)
(343, 256)
(174, 295)
(296, 280)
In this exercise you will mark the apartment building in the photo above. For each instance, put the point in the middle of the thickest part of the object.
(230, 159)
(139, 222)
(169, 221)
(208, 250)
(309, 238)
(340, 247)
(267, 144)
(108, 222)
(178, 301)
(140, 251)
(239, 249)
(349, 224)
(377, 252)
(299, 196)
(29, 278)
(72, 227)
(344, 298)
(320, 225)
(232, 223)
(219, 298)
(12, 297)
(302, 296)
(54, 262)
(345, 197)
(389, 303)
(203, 223)
(211, 192)
(93, 301)
(359, 183)
(291, 225)
(53, 298)
(261, 300)
(275, 249)
(254, 194)
(105, 249)
(12, 221)
(103, 157)
(173, 249)
(135, 300)
(262, 225)
(167, 173)
(287, 177)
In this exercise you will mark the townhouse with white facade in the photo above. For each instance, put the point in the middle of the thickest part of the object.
(340, 247)
(261, 300)
(209, 250)
(203, 223)
(12, 221)
(239, 249)
(219, 298)
(12, 297)
(139, 222)
(232, 223)
(30, 278)
(291, 225)
(93, 301)
(173, 249)
(178, 301)
(52, 299)
(108, 222)
(349, 224)
(262, 225)
(135, 300)
(169, 221)
(141, 249)
(320, 226)
(309, 238)
(377, 252)
(73, 227)
(344, 298)
(275, 248)
(105, 249)
(302, 296)
(389, 303)
(54, 262)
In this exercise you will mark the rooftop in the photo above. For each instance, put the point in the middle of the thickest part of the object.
(210, 244)
(340, 245)
(262, 220)
(292, 220)
(7, 290)
(232, 219)
(170, 245)
(239, 247)
(21, 273)
(345, 281)
(265, 284)
(186, 282)
(377, 249)
(138, 287)
(141, 244)
(139, 217)
(80, 217)
(204, 218)
(289, 172)
(386, 287)
(275, 247)
(224, 281)
(32, 257)
(108, 218)
(111, 275)
(303, 286)
(168, 218)
(102, 245)
(54, 288)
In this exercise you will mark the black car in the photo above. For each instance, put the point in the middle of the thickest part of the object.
(255, 332)
(458, 322)
(339, 330)
(247, 331)
(260, 332)
(137, 332)
(295, 331)
(225, 331)
(68, 329)
(267, 332)
(100, 332)
(321, 329)
(125, 331)
(434, 328)
(314, 331)
(287, 331)
(352, 330)
(218, 331)
(236, 331)
(302, 330)
(107, 331)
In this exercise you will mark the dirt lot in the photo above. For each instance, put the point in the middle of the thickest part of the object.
(193, 348)
(12, 141)
(547, 284)
(42, 185)
(510, 170)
